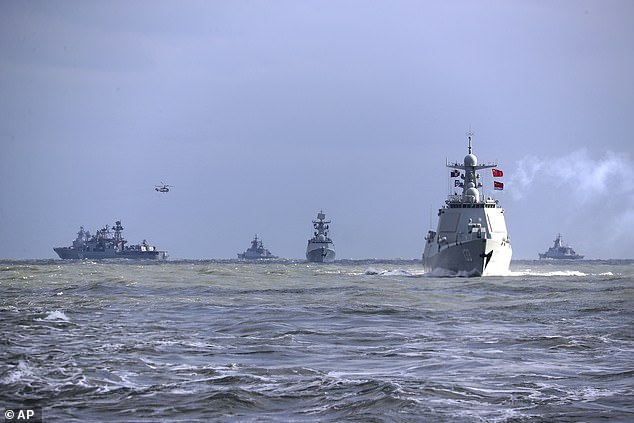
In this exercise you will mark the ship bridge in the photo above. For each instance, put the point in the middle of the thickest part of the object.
(455, 202)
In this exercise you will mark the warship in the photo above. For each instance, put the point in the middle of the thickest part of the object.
(471, 238)
(106, 245)
(560, 251)
(256, 251)
(320, 248)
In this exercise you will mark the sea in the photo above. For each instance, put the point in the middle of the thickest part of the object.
(289, 341)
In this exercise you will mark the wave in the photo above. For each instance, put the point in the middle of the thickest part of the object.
(444, 273)
(55, 315)
(547, 274)
(21, 372)
(395, 272)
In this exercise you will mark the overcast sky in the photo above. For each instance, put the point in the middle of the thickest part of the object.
(263, 113)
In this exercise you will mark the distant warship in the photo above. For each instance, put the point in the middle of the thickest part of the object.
(105, 245)
(320, 247)
(256, 251)
(471, 236)
(560, 251)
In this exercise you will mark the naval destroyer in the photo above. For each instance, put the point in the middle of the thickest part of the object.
(320, 248)
(560, 251)
(106, 245)
(471, 237)
(256, 251)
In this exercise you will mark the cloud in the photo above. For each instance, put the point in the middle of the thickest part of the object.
(591, 197)
(590, 179)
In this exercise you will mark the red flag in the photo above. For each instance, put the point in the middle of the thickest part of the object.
(497, 173)
(498, 185)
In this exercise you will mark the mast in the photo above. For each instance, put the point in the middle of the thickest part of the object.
(471, 179)
(469, 134)
(321, 225)
(119, 242)
(117, 231)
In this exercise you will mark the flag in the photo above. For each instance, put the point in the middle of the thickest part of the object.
(455, 173)
(457, 183)
(498, 185)
(497, 173)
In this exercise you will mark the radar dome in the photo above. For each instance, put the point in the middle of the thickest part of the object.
(470, 160)
(474, 194)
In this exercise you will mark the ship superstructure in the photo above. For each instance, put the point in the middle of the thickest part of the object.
(471, 237)
(320, 248)
(560, 251)
(256, 251)
(107, 244)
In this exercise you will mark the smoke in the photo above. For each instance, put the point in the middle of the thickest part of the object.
(590, 197)
(586, 178)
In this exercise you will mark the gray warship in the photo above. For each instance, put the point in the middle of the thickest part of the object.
(106, 245)
(256, 251)
(471, 238)
(560, 251)
(320, 248)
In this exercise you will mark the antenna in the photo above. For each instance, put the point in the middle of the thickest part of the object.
(469, 134)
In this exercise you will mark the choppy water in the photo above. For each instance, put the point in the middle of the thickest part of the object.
(356, 341)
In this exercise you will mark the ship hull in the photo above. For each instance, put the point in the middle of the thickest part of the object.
(246, 256)
(561, 257)
(73, 254)
(480, 257)
(320, 253)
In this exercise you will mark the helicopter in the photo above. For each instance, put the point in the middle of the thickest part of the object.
(162, 188)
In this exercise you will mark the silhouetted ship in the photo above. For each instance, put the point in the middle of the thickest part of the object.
(256, 251)
(471, 236)
(320, 248)
(560, 251)
(107, 245)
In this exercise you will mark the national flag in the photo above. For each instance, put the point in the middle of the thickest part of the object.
(498, 185)
(455, 173)
(497, 173)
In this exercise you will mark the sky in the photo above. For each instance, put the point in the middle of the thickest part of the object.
(262, 113)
